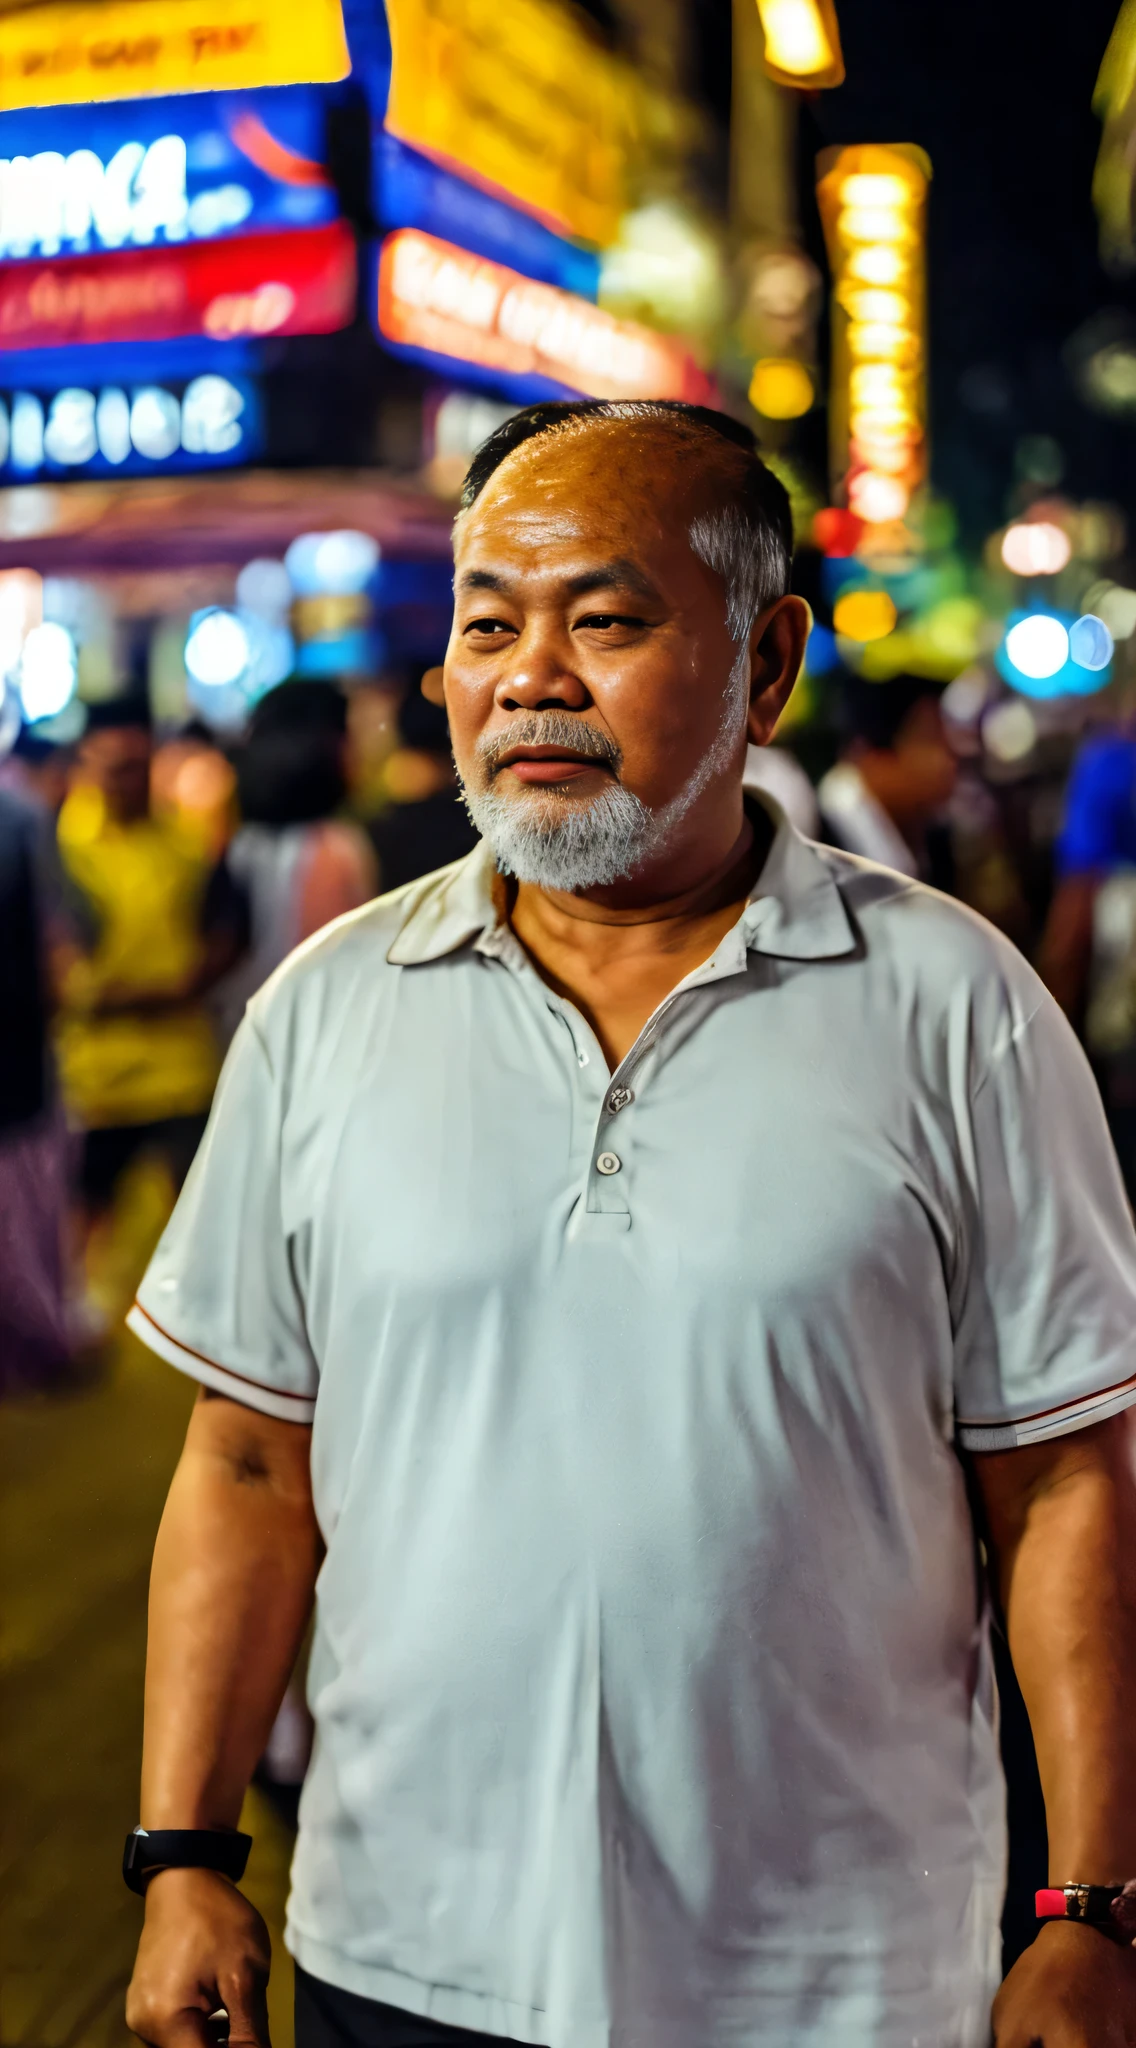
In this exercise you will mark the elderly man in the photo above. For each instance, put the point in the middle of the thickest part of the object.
(600, 1254)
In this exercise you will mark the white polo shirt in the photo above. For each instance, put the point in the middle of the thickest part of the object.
(651, 1687)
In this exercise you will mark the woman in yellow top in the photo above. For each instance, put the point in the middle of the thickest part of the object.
(137, 1053)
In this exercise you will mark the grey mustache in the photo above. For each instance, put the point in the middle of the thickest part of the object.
(550, 729)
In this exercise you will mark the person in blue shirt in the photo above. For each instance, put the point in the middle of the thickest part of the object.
(1088, 951)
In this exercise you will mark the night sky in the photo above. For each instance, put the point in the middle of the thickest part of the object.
(999, 94)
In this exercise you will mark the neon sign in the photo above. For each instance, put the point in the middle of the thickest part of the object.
(206, 422)
(91, 50)
(437, 301)
(164, 170)
(412, 192)
(254, 285)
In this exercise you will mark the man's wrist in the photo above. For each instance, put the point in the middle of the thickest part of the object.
(1108, 1909)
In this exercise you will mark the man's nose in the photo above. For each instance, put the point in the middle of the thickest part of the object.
(539, 674)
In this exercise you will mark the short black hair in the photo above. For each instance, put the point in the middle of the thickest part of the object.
(128, 713)
(748, 540)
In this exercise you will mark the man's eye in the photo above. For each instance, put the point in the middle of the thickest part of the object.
(600, 621)
(488, 626)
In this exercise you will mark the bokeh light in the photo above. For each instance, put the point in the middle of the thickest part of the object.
(217, 648)
(1036, 548)
(780, 388)
(48, 671)
(864, 615)
(1038, 646)
(1090, 642)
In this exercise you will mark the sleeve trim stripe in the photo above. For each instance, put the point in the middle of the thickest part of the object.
(1008, 1436)
(275, 1401)
(1072, 1407)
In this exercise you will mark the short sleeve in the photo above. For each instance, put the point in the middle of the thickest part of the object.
(220, 1299)
(1045, 1340)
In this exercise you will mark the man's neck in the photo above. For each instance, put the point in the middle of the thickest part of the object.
(615, 961)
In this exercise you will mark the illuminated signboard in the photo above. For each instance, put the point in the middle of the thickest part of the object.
(301, 283)
(54, 52)
(413, 192)
(519, 96)
(436, 300)
(122, 430)
(161, 170)
(873, 201)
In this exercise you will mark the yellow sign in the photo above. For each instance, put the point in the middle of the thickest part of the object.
(519, 96)
(58, 53)
(873, 201)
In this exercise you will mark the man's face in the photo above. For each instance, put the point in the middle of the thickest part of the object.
(118, 761)
(590, 658)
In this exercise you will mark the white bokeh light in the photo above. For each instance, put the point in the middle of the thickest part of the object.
(1038, 646)
(48, 671)
(1036, 548)
(217, 649)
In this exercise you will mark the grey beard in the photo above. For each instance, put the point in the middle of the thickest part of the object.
(559, 842)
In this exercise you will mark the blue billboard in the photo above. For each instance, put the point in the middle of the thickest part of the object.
(410, 191)
(129, 174)
(111, 411)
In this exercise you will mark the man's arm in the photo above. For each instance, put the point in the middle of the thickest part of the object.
(1061, 1519)
(230, 1593)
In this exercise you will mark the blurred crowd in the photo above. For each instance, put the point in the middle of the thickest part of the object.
(149, 883)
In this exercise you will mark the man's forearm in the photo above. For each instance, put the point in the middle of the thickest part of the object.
(231, 1589)
(1063, 1523)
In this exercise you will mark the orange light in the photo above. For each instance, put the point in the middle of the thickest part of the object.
(802, 42)
(872, 200)
(433, 295)
(864, 615)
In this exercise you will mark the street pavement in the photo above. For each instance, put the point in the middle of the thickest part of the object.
(82, 1481)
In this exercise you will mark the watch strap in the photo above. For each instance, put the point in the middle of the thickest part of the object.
(151, 1849)
(1109, 1907)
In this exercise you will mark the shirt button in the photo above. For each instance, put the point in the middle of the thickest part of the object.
(582, 1059)
(608, 1162)
(619, 1099)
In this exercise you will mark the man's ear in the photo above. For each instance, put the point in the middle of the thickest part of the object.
(432, 688)
(777, 650)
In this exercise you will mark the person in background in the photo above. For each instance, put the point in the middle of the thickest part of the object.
(293, 864)
(886, 797)
(137, 1052)
(425, 824)
(34, 1344)
(1087, 956)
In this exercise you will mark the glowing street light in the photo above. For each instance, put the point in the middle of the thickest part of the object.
(872, 200)
(802, 42)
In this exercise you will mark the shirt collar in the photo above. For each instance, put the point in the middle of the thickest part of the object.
(796, 911)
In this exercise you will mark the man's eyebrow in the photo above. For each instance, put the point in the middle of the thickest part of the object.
(620, 574)
(482, 579)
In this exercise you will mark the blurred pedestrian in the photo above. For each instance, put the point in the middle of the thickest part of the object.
(34, 1337)
(886, 799)
(294, 863)
(424, 824)
(137, 1051)
(1088, 949)
(645, 1212)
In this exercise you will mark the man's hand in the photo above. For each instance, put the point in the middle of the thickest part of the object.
(1072, 1989)
(203, 1946)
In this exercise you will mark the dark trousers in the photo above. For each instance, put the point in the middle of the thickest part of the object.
(329, 2018)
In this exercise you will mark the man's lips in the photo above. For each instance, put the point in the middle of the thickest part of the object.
(549, 764)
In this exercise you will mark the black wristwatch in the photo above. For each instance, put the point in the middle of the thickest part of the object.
(183, 1849)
